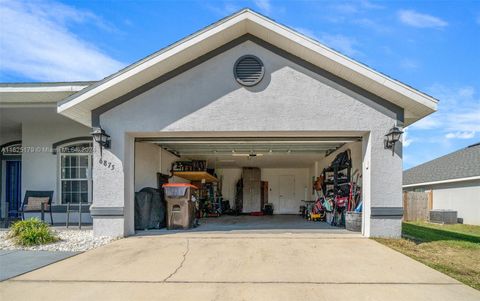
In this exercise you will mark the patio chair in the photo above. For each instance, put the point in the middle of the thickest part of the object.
(37, 201)
(76, 208)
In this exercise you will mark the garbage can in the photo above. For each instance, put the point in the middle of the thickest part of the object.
(180, 207)
(353, 221)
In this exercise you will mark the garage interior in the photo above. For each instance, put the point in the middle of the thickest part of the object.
(250, 182)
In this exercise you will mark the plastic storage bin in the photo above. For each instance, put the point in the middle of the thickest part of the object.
(180, 207)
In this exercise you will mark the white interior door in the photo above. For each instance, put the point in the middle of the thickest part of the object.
(286, 195)
(251, 198)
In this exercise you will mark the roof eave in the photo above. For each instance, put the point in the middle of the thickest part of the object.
(34, 94)
(442, 182)
(247, 21)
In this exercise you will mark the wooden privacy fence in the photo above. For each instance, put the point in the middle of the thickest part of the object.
(417, 205)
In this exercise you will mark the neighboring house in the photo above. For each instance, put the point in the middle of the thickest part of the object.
(454, 180)
(243, 92)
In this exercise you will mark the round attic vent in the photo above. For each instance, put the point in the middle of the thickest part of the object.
(248, 70)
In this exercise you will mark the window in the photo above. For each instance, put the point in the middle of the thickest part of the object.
(75, 176)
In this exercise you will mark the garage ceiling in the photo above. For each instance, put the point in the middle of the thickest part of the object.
(263, 152)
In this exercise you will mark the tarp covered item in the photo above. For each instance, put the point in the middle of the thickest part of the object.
(341, 159)
(149, 209)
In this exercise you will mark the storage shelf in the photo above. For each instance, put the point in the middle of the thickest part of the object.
(195, 176)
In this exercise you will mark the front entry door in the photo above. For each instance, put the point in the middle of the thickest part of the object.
(13, 186)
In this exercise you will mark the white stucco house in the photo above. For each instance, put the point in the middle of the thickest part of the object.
(243, 84)
(454, 180)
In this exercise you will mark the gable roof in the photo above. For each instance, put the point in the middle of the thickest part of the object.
(37, 94)
(80, 105)
(460, 165)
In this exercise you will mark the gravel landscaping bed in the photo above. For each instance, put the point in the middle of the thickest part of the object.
(70, 240)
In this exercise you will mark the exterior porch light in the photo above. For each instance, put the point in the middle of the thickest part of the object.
(392, 137)
(101, 138)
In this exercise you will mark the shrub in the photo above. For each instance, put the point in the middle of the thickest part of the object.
(31, 232)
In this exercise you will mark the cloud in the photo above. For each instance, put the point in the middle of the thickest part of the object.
(344, 44)
(308, 32)
(370, 5)
(406, 141)
(36, 43)
(227, 7)
(341, 43)
(428, 123)
(223, 8)
(264, 5)
(416, 19)
(356, 7)
(355, 12)
(408, 64)
(458, 115)
(460, 135)
(346, 8)
(371, 24)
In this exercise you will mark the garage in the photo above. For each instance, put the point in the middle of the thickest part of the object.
(253, 178)
(247, 95)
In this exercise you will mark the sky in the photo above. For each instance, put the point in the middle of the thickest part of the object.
(433, 46)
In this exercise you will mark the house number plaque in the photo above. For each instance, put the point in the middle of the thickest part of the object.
(106, 164)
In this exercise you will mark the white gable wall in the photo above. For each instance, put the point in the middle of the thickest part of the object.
(207, 98)
(290, 100)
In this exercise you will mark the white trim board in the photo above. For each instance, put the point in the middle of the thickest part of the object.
(443, 182)
(36, 95)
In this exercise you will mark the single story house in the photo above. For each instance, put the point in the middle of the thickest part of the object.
(242, 92)
(454, 180)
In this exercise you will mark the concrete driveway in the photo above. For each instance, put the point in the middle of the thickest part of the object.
(238, 266)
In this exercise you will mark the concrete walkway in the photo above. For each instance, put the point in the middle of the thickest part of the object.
(238, 266)
(15, 262)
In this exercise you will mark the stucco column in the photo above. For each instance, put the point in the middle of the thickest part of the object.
(108, 206)
(129, 184)
(382, 186)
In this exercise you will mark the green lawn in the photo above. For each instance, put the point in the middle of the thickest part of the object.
(470, 231)
(450, 249)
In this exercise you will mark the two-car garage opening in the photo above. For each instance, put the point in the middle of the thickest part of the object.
(251, 182)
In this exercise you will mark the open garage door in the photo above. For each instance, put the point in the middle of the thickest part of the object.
(262, 152)
(249, 173)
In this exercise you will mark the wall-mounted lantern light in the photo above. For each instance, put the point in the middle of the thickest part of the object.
(392, 137)
(101, 138)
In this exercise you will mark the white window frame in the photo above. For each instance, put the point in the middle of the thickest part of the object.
(59, 170)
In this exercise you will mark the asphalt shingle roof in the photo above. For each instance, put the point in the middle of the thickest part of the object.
(463, 163)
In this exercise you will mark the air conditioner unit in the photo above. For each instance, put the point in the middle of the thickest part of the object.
(442, 216)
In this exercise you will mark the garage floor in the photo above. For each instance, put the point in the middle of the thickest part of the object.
(268, 223)
(271, 224)
(238, 266)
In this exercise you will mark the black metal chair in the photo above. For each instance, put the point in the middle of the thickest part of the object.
(37, 194)
(76, 208)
